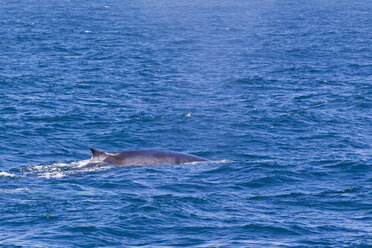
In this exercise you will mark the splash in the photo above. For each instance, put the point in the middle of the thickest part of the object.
(60, 169)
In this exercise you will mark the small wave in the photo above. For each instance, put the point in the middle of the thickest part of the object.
(14, 190)
(7, 174)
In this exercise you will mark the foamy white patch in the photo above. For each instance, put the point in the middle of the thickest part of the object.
(22, 189)
(82, 31)
(96, 168)
(52, 175)
(14, 190)
(80, 163)
(7, 174)
(60, 169)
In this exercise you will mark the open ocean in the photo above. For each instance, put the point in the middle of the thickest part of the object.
(277, 94)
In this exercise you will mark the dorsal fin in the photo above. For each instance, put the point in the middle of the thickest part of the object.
(96, 153)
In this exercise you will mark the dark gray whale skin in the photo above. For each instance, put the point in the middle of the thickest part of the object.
(143, 157)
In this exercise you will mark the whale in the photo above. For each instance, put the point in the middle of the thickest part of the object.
(142, 157)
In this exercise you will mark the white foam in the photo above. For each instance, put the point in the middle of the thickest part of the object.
(22, 189)
(7, 191)
(60, 169)
(7, 174)
(52, 175)
(82, 31)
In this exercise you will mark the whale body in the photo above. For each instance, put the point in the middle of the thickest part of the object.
(143, 157)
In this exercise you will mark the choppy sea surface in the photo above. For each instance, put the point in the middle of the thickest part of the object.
(277, 94)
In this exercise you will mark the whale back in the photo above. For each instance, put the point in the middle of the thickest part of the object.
(143, 157)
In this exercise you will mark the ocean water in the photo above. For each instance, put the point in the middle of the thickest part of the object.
(277, 94)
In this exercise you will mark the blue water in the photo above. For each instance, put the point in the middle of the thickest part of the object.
(277, 94)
